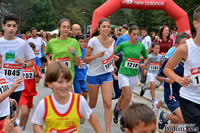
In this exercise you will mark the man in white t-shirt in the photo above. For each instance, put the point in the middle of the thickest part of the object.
(37, 41)
(146, 39)
(14, 51)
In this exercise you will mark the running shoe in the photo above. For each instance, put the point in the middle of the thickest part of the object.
(142, 91)
(115, 116)
(122, 125)
(162, 122)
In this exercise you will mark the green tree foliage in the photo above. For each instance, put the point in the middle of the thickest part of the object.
(44, 14)
(41, 15)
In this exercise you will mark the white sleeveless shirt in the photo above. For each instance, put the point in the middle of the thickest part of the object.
(192, 67)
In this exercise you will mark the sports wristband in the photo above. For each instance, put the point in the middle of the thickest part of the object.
(25, 65)
(74, 52)
(145, 64)
(164, 80)
(37, 75)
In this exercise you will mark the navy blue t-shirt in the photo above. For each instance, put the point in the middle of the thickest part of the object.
(79, 72)
(179, 69)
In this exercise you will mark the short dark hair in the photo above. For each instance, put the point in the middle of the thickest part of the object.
(133, 27)
(138, 112)
(79, 37)
(174, 27)
(125, 26)
(180, 36)
(32, 45)
(54, 70)
(154, 44)
(196, 15)
(144, 28)
(10, 17)
(132, 23)
(33, 29)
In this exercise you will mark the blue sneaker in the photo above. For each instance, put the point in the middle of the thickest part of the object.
(162, 122)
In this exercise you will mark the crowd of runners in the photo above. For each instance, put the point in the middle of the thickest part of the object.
(75, 68)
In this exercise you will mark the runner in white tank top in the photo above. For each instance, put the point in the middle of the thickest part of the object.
(190, 91)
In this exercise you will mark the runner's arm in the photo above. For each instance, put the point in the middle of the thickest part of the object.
(48, 58)
(88, 57)
(77, 60)
(37, 128)
(30, 63)
(7, 93)
(94, 122)
(179, 54)
(160, 78)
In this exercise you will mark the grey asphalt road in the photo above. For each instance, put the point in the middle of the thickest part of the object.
(99, 111)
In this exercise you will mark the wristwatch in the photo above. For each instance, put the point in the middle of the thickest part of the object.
(25, 65)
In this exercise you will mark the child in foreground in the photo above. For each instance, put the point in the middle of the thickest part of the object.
(140, 118)
(62, 110)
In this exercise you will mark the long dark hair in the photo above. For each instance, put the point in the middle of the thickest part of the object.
(96, 31)
(160, 34)
(60, 22)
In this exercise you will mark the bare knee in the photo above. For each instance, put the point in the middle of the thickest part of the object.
(92, 104)
(107, 104)
(127, 98)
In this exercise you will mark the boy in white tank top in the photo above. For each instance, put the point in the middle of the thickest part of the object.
(189, 93)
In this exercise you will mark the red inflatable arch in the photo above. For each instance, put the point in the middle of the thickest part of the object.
(171, 8)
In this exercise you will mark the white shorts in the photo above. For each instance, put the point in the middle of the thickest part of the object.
(151, 77)
(127, 81)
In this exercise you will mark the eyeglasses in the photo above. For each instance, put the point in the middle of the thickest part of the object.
(174, 29)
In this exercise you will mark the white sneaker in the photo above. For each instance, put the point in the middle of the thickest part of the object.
(155, 109)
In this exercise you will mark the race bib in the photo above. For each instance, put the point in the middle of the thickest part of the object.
(28, 74)
(83, 65)
(132, 63)
(108, 62)
(3, 86)
(163, 54)
(10, 56)
(68, 130)
(12, 70)
(37, 52)
(154, 66)
(65, 60)
(195, 76)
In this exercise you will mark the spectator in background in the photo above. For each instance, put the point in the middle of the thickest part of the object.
(23, 37)
(146, 39)
(76, 30)
(164, 40)
(153, 36)
(28, 35)
(1, 33)
(174, 32)
(124, 29)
